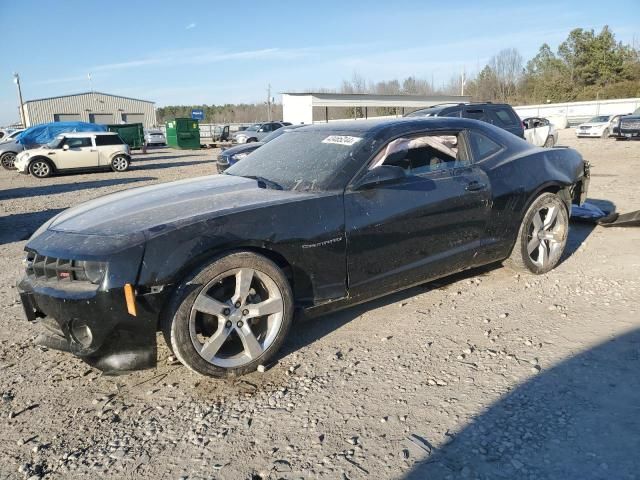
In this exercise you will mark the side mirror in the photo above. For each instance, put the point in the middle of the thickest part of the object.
(381, 175)
(65, 147)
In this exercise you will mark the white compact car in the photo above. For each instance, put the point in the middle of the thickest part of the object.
(599, 126)
(76, 151)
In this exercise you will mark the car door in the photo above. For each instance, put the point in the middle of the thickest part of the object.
(426, 225)
(536, 131)
(76, 152)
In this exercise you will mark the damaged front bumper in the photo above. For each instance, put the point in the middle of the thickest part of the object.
(93, 325)
(91, 320)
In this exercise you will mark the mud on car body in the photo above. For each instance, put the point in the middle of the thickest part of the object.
(321, 218)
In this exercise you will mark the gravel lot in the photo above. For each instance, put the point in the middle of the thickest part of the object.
(489, 374)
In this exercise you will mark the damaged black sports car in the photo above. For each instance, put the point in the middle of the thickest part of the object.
(321, 218)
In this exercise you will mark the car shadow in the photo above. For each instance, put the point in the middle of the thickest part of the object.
(152, 157)
(305, 331)
(20, 226)
(156, 166)
(24, 192)
(580, 230)
(577, 420)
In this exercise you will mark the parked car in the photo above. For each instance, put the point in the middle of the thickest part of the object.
(599, 126)
(232, 155)
(8, 151)
(257, 132)
(323, 217)
(76, 151)
(155, 138)
(540, 132)
(9, 135)
(629, 126)
(498, 114)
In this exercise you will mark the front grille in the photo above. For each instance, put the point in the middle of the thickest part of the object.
(633, 124)
(43, 268)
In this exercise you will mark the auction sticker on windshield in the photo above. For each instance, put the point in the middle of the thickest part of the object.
(342, 140)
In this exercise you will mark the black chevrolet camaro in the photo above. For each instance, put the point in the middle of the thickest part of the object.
(321, 218)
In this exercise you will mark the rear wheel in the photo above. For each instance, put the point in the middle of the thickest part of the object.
(8, 159)
(230, 316)
(120, 163)
(41, 168)
(542, 235)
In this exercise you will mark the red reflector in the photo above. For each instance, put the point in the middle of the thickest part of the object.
(64, 274)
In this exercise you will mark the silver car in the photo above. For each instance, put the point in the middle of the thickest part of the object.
(257, 132)
(8, 152)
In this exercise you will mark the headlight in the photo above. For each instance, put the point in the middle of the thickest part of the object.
(90, 271)
(241, 139)
(239, 156)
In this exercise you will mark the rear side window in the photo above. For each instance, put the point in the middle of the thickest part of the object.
(476, 114)
(102, 140)
(482, 145)
(505, 117)
(453, 113)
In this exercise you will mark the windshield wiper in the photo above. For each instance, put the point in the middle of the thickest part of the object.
(264, 181)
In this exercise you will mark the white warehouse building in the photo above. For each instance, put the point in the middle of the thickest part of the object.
(91, 107)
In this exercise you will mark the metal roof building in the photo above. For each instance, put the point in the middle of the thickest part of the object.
(91, 107)
(298, 107)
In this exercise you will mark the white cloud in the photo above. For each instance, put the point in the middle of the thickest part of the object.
(190, 26)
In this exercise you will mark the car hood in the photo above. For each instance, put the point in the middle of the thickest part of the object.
(11, 146)
(155, 208)
(246, 147)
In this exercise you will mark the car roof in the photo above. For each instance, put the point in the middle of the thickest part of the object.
(84, 134)
(374, 127)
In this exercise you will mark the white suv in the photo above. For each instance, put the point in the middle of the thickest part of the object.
(76, 151)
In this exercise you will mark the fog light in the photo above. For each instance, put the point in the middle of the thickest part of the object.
(81, 333)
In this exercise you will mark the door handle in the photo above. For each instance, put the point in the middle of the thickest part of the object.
(475, 186)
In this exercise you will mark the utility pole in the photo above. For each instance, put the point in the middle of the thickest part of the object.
(269, 102)
(16, 79)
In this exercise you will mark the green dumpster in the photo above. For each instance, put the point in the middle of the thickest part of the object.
(131, 133)
(183, 133)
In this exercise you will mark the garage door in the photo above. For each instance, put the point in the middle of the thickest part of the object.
(133, 117)
(101, 118)
(66, 117)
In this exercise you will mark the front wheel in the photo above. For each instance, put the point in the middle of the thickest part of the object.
(605, 133)
(8, 160)
(230, 316)
(120, 163)
(542, 235)
(549, 142)
(41, 168)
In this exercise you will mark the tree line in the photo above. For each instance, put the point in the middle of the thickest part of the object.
(586, 66)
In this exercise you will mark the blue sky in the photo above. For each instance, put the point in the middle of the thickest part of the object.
(193, 52)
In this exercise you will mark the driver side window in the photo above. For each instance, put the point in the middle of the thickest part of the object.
(77, 142)
(424, 154)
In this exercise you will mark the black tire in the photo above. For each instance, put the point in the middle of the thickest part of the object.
(120, 163)
(8, 160)
(251, 140)
(41, 168)
(548, 143)
(521, 259)
(177, 319)
(605, 133)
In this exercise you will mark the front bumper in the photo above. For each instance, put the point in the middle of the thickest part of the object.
(93, 324)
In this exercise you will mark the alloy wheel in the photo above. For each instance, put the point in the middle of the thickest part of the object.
(8, 160)
(236, 317)
(119, 164)
(547, 231)
(40, 169)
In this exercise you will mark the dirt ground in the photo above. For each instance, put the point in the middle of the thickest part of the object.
(489, 374)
